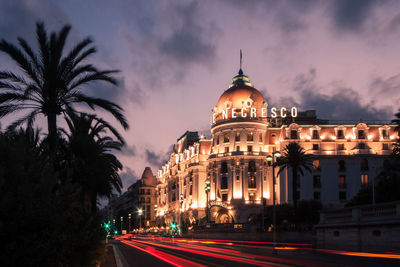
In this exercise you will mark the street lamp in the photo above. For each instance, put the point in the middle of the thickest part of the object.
(272, 162)
(129, 218)
(140, 212)
(122, 219)
(207, 189)
(181, 213)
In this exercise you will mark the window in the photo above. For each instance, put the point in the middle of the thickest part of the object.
(237, 148)
(250, 137)
(340, 134)
(341, 166)
(364, 179)
(252, 166)
(361, 134)
(148, 200)
(361, 146)
(226, 149)
(342, 196)
(237, 137)
(226, 138)
(214, 177)
(237, 177)
(364, 165)
(224, 167)
(190, 190)
(340, 146)
(315, 134)
(315, 147)
(385, 147)
(252, 181)
(260, 138)
(316, 165)
(224, 197)
(317, 181)
(293, 134)
(217, 137)
(317, 195)
(173, 197)
(342, 181)
(250, 148)
(224, 182)
(385, 134)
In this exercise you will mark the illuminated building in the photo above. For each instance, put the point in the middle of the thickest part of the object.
(244, 132)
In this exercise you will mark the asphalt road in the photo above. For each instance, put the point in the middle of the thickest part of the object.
(162, 251)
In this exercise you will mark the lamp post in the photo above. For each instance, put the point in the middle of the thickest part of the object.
(140, 212)
(207, 189)
(129, 220)
(122, 220)
(181, 213)
(272, 162)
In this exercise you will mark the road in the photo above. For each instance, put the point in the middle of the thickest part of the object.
(166, 251)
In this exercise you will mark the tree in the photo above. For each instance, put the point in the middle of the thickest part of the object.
(51, 82)
(88, 152)
(294, 157)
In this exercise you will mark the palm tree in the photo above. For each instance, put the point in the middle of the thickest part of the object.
(294, 157)
(51, 82)
(88, 149)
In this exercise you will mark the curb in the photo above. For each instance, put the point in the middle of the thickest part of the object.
(119, 258)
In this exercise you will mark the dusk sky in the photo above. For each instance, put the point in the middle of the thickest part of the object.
(177, 57)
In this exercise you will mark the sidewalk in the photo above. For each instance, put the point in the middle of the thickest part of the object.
(109, 257)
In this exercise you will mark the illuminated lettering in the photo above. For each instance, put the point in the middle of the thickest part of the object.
(244, 115)
(283, 112)
(225, 114)
(234, 113)
(294, 112)
(273, 112)
(263, 112)
(253, 113)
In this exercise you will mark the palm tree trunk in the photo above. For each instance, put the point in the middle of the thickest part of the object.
(52, 128)
(294, 188)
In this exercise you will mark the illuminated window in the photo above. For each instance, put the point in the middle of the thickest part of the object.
(250, 148)
(250, 137)
(364, 165)
(237, 137)
(260, 137)
(316, 165)
(317, 181)
(364, 179)
(342, 181)
(226, 138)
(340, 134)
(293, 134)
(341, 165)
(315, 147)
(252, 181)
(224, 197)
(315, 134)
(224, 182)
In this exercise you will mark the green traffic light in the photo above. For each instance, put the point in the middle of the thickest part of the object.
(174, 226)
(115, 232)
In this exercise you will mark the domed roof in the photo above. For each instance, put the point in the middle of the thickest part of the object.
(240, 95)
(148, 178)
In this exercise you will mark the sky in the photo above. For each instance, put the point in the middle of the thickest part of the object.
(176, 58)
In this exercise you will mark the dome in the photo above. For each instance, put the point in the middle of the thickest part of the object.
(240, 101)
(148, 178)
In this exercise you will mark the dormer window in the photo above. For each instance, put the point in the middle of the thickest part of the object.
(361, 134)
(340, 134)
(293, 134)
(315, 134)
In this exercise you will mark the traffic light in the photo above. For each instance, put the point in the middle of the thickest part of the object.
(174, 226)
(107, 226)
(115, 232)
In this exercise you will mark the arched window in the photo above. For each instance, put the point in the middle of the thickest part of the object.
(252, 181)
(237, 136)
(293, 134)
(341, 165)
(224, 167)
(250, 137)
(224, 182)
(226, 138)
(252, 166)
(316, 165)
(364, 165)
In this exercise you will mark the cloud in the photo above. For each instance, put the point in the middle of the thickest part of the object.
(128, 177)
(156, 159)
(344, 103)
(128, 150)
(351, 15)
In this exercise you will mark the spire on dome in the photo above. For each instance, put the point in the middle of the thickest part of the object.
(240, 78)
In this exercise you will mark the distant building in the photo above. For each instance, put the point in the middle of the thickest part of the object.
(244, 131)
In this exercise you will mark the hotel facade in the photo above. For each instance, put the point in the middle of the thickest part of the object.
(233, 163)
